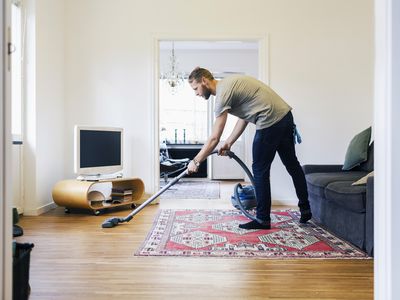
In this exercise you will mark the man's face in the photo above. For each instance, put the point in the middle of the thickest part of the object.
(201, 89)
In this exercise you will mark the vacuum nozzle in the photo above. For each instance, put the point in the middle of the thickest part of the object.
(112, 222)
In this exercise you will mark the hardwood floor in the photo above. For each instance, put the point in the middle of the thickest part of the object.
(74, 258)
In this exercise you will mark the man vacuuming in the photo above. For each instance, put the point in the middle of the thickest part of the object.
(253, 101)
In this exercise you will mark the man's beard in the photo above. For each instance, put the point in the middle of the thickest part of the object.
(207, 93)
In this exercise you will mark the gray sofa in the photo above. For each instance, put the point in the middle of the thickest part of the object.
(344, 209)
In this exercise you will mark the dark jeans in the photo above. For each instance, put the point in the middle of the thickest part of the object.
(277, 138)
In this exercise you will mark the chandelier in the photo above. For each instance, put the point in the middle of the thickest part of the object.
(172, 77)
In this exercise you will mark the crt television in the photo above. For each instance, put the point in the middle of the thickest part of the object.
(97, 150)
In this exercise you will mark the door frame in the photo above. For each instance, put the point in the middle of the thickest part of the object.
(5, 155)
(387, 147)
(263, 75)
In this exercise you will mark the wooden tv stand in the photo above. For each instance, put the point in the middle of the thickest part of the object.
(74, 193)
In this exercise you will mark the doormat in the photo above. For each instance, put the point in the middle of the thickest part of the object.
(215, 233)
(192, 190)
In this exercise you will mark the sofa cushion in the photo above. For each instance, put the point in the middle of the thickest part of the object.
(357, 151)
(346, 195)
(317, 182)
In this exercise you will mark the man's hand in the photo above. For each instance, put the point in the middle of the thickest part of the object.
(192, 168)
(225, 147)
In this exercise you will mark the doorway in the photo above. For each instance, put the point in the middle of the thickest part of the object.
(190, 127)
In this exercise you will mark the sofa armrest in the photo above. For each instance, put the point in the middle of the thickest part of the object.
(369, 217)
(321, 168)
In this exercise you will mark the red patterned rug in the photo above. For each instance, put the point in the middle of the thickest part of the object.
(215, 233)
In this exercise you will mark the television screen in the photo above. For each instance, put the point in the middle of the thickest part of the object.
(98, 150)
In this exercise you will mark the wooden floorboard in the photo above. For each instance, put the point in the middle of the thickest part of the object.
(74, 258)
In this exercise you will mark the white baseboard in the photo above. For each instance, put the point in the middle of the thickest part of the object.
(40, 210)
(284, 202)
(145, 197)
(20, 210)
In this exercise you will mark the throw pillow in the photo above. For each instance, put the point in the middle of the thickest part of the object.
(363, 180)
(357, 151)
(368, 165)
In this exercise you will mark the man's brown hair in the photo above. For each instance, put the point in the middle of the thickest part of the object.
(199, 73)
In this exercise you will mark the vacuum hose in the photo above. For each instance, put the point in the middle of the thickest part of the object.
(239, 186)
(112, 222)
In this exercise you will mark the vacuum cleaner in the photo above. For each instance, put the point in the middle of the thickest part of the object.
(241, 200)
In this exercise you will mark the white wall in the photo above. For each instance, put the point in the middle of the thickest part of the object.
(320, 62)
(320, 58)
(44, 131)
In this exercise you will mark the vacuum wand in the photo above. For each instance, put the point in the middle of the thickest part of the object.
(112, 222)
(152, 198)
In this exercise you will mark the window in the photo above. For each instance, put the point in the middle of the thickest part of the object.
(183, 116)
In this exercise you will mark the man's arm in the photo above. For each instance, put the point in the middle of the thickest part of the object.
(211, 143)
(236, 133)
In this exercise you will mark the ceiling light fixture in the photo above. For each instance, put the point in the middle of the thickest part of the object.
(173, 78)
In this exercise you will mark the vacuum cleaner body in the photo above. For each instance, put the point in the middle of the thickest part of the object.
(247, 197)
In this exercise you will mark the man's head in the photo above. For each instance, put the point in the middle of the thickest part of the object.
(202, 82)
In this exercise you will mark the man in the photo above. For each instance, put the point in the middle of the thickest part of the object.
(253, 101)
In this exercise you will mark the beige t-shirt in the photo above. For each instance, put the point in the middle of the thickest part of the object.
(250, 99)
